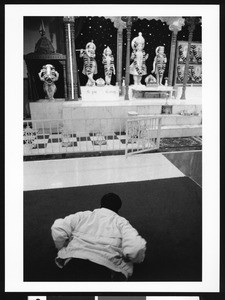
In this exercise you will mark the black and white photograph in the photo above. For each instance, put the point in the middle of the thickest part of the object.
(118, 111)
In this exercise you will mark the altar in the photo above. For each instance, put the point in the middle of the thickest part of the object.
(91, 88)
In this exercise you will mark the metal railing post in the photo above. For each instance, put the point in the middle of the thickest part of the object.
(159, 132)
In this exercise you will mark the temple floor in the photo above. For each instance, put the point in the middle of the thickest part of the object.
(162, 199)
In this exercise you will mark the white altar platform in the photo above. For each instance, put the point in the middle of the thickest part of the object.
(185, 119)
(58, 109)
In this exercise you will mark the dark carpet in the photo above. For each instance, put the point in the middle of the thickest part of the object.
(166, 212)
(180, 144)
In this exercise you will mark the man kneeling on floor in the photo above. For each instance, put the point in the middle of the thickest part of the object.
(97, 245)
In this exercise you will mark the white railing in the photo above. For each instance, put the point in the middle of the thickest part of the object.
(43, 137)
(142, 134)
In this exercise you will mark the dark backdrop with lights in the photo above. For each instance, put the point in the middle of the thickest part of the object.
(103, 33)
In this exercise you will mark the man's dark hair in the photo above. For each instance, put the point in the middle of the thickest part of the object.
(111, 201)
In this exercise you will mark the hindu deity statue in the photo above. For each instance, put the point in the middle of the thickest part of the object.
(90, 65)
(138, 67)
(159, 64)
(108, 62)
(49, 75)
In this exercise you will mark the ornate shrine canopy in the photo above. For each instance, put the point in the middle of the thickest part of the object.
(173, 22)
(44, 48)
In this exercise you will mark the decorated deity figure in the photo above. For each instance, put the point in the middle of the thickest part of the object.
(49, 75)
(90, 65)
(138, 67)
(108, 62)
(159, 64)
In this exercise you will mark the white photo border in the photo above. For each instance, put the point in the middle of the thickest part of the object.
(14, 149)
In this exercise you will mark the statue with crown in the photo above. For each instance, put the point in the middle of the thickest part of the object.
(90, 65)
(108, 62)
(138, 67)
(159, 64)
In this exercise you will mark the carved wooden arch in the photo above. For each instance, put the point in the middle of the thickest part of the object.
(170, 21)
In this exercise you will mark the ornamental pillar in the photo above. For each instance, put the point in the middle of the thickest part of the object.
(63, 63)
(119, 56)
(71, 63)
(191, 22)
(120, 25)
(174, 26)
(128, 21)
(127, 73)
(172, 56)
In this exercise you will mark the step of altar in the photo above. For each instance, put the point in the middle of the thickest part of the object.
(181, 131)
(176, 119)
(177, 125)
(185, 119)
(61, 109)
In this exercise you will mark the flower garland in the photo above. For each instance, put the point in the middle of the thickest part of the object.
(142, 69)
